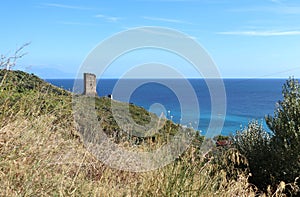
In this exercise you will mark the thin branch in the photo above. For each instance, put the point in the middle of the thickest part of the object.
(9, 62)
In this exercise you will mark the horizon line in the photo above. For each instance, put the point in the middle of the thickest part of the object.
(115, 78)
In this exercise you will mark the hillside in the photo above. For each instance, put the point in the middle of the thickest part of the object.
(18, 85)
(42, 151)
(20, 81)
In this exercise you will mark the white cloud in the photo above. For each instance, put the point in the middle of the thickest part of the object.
(261, 33)
(171, 1)
(165, 32)
(276, 1)
(57, 5)
(289, 9)
(108, 18)
(76, 23)
(277, 9)
(168, 20)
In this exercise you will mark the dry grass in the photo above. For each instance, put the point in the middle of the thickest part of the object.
(41, 154)
(38, 161)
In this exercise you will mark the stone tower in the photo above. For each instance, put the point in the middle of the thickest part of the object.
(90, 84)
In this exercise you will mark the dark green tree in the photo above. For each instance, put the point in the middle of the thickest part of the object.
(285, 125)
(275, 157)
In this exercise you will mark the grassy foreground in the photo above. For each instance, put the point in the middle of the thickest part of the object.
(42, 154)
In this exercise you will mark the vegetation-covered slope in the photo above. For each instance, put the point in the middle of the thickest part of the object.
(20, 81)
(42, 154)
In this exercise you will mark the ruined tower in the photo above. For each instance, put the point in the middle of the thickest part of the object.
(90, 84)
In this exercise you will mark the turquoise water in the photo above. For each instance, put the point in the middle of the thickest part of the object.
(246, 99)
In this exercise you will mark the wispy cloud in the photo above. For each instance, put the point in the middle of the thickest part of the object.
(289, 10)
(184, 1)
(58, 5)
(172, 1)
(76, 23)
(167, 33)
(261, 33)
(276, 1)
(168, 20)
(108, 18)
(277, 9)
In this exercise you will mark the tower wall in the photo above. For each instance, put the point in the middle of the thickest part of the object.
(90, 84)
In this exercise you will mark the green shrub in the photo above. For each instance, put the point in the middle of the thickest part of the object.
(254, 143)
(275, 157)
(285, 124)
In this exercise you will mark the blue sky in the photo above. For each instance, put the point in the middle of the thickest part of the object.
(245, 38)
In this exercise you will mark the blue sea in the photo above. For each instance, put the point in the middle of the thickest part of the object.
(246, 99)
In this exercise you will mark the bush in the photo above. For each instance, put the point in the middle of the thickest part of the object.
(254, 143)
(286, 128)
(275, 157)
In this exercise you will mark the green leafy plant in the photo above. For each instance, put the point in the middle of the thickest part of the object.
(254, 143)
(285, 124)
(274, 157)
